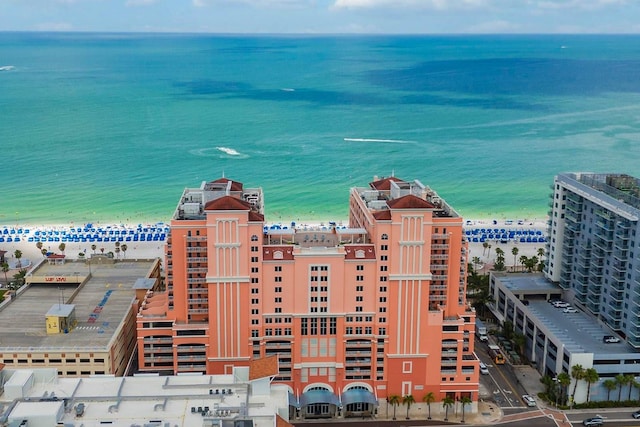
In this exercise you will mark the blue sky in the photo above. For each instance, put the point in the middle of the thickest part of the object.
(323, 16)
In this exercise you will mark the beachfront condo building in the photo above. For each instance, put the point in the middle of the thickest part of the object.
(594, 243)
(354, 313)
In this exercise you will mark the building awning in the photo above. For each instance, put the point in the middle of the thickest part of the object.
(293, 400)
(357, 395)
(318, 396)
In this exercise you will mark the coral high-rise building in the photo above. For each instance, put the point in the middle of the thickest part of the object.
(354, 313)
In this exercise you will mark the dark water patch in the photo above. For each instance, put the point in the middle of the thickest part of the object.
(486, 102)
(514, 76)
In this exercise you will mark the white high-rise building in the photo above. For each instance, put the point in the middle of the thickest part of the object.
(593, 247)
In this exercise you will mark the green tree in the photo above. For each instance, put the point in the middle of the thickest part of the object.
(124, 250)
(610, 385)
(447, 403)
(394, 399)
(531, 263)
(590, 376)
(429, 398)
(519, 340)
(18, 254)
(408, 400)
(630, 381)
(523, 261)
(5, 270)
(577, 373)
(514, 251)
(93, 248)
(541, 252)
(620, 382)
(44, 252)
(507, 329)
(39, 246)
(62, 246)
(564, 380)
(475, 262)
(465, 400)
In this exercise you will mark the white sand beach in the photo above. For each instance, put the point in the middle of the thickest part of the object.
(149, 249)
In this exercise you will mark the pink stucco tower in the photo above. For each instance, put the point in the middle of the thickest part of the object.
(354, 313)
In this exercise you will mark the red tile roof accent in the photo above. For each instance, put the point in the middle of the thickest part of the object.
(281, 422)
(359, 252)
(384, 184)
(235, 186)
(263, 367)
(272, 253)
(384, 215)
(227, 203)
(410, 202)
(256, 217)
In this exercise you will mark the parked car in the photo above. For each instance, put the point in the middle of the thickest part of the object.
(530, 401)
(608, 339)
(593, 422)
(636, 414)
(561, 304)
(569, 310)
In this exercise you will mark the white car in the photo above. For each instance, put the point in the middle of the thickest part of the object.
(483, 369)
(561, 304)
(569, 310)
(530, 401)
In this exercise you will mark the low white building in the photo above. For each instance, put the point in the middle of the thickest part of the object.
(40, 398)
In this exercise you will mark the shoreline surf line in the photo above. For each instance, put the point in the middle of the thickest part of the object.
(392, 141)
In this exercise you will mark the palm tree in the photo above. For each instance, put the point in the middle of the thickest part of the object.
(590, 376)
(117, 251)
(475, 261)
(18, 255)
(514, 251)
(485, 245)
(93, 248)
(541, 252)
(124, 250)
(523, 260)
(5, 270)
(577, 373)
(563, 380)
(102, 250)
(620, 381)
(39, 246)
(62, 246)
(632, 384)
(519, 340)
(464, 400)
(44, 252)
(394, 399)
(447, 402)
(610, 385)
(429, 398)
(408, 400)
(489, 251)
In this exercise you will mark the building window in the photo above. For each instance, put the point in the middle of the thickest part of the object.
(359, 267)
(303, 326)
(254, 280)
(359, 298)
(368, 330)
(382, 309)
(383, 320)
(383, 268)
(255, 321)
(255, 301)
(384, 237)
(254, 290)
(254, 249)
(359, 278)
(383, 289)
(359, 288)
(383, 299)
(382, 331)
(278, 279)
(278, 300)
(254, 259)
(254, 238)
(359, 309)
(407, 367)
(278, 268)
(384, 258)
(278, 309)
(278, 289)
(383, 278)
(349, 330)
(254, 311)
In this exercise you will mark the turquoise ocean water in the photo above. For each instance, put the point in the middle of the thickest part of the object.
(112, 127)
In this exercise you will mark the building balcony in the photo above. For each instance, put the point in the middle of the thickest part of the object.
(192, 358)
(278, 346)
(197, 259)
(440, 246)
(157, 358)
(582, 290)
(198, 310)
(158, 350)
(439, 277)
(192, 249)
(438, 287)
(157, 340)
(440, 256)
(604, 246)
(449, 362)
(197, 270)
(438, 267)
(196, 238)
(198, 301)
(357, 344)
(439, 236)
(357, 353)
